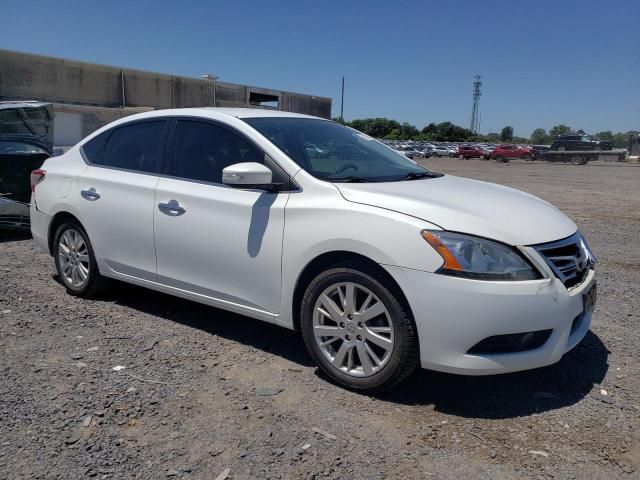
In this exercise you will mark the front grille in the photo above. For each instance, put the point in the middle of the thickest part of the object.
(570, 259)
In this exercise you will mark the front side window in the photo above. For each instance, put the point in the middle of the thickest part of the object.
(136, 147)
(202, 150)
(333, 152)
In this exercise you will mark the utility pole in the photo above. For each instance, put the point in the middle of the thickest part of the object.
(342, 103)
(475, 112)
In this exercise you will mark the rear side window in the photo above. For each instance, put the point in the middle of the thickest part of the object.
(91, 150)
(137, 147)
(202, 150)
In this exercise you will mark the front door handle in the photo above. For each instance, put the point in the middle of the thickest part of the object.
(171, 208)
(90, 194)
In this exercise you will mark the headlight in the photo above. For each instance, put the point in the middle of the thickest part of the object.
(474, 257)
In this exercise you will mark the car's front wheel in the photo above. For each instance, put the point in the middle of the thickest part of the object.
(75, 261)
(359, 329)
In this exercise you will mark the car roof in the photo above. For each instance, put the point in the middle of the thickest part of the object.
(218, 112)
(214, 113)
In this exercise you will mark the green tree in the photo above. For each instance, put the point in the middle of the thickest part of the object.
(559, 130)
(606, 135)
(409, 132)
(492, 137)
(506, 135)
(539, 136)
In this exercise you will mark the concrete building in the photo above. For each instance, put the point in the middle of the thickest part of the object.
(87, 96)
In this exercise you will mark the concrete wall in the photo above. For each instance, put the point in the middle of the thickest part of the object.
(68, 117)
(36, 77)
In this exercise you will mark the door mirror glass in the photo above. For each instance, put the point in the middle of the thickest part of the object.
(247, 175)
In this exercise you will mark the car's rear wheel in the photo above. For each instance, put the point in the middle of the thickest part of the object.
(461, 157)
(578, 160)
(501, 159)
(358, 328)
(75, 261)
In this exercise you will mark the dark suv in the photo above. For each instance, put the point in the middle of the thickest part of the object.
(26, 138)
(575, 141)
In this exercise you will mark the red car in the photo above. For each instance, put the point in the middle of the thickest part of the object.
(504, 153)
(472, 151)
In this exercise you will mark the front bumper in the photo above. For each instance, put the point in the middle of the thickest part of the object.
(454, 314)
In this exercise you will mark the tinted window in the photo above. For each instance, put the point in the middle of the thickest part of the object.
(92, 148)
(202, 150)
(136, 147)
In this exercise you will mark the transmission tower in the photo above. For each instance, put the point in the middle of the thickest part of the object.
(475, 113)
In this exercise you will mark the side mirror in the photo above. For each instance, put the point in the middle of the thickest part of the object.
(247, 175)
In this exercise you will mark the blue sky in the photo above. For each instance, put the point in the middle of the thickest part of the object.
(542, 62)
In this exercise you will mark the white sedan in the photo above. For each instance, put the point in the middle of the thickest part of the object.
(381, 264)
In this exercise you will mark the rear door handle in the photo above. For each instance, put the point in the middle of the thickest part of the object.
(171, 208)
(90, 194)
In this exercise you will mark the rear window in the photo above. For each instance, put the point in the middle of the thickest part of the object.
(12, 122)
(91, 150)
(137, 147)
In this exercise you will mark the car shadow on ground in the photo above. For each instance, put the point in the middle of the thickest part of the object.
(513, 394)
(492, 397)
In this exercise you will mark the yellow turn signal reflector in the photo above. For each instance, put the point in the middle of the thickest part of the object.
(450, 261)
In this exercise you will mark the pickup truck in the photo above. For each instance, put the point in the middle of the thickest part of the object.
(576, 142)
(579, 149)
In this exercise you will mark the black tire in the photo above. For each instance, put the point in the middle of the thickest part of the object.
(579, 160)
(461, 157)
(95, 283)
(405, 354)
(501, 159)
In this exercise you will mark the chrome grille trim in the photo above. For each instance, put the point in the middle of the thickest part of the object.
(570, 259)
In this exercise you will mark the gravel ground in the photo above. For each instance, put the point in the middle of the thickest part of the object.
(204, 390)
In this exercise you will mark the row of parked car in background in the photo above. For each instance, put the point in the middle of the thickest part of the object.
(483, 151)
(570, 147)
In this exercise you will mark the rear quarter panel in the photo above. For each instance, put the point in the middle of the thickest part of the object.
(57, 192)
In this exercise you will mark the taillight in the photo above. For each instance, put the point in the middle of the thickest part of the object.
(36, 177)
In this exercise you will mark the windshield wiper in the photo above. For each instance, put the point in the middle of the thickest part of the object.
(349, 179)
(418, 175)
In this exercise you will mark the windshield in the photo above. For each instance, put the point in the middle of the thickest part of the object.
(333, 152)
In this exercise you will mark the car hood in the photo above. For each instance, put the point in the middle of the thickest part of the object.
(468, 206)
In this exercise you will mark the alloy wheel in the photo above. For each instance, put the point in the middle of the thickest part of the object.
(353, 329)
(73, 257)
